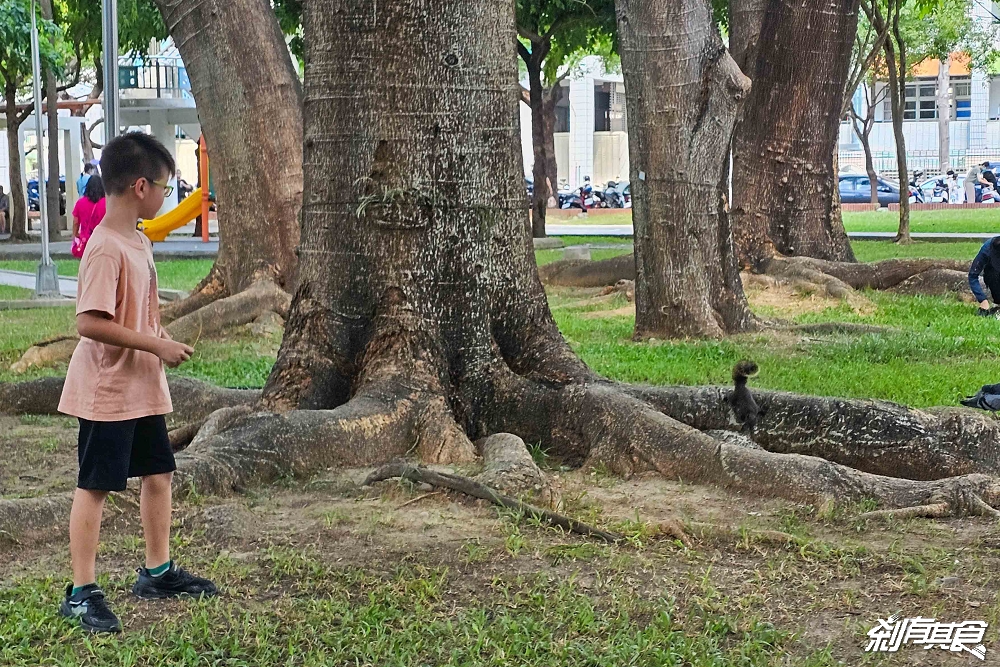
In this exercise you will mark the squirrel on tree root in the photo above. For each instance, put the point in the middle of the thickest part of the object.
(744, 407)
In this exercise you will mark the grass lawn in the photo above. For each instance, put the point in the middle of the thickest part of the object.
(934, 353)
(179, 274)
(986, 220)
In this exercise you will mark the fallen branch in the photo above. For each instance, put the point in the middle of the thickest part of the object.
(475, 489)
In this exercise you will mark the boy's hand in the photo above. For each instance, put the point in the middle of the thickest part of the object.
(173, 353)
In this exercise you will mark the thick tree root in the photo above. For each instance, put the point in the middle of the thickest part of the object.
(385, 421)
(193, 399)
(874, 436)
(509, 468)
(861, 275)
(216, 315)
(935, 511)
(834, 279)
(23, 517)
(46, 353)
(182, 436)
(241, 308)
(210, 289)
(585, 273)
(628, 435)
(477, 490)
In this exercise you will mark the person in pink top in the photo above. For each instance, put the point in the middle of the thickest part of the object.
(116, 386)
(87, 214)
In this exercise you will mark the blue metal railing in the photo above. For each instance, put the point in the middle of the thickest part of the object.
(166, 75)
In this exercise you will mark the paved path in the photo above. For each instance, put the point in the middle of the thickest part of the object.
(172, 248)
(67, 284)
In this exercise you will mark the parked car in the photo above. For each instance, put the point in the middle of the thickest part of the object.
(857, 189)
(33, 195)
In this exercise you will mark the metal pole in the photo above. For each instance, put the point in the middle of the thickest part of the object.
(109, 26)
(46, 278)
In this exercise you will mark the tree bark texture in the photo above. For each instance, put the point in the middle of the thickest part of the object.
(745, 20)
(684, 91)
(413, 252)
(249, 104)
(18, 217)
(783, 174)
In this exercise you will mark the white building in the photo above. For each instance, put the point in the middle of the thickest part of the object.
(973, 129)
(155, 96)
(591, 137)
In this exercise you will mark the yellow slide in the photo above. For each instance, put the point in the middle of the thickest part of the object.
(189, 209)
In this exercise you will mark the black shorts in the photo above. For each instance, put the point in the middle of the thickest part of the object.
(111, 452)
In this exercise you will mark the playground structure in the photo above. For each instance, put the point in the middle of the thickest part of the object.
(195, 204)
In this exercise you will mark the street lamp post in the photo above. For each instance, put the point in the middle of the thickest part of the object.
(109, 26)
(46, 277)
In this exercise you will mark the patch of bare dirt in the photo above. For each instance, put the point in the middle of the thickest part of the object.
(37, 455)
(786, 300)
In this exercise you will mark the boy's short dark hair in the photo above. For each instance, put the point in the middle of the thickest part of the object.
(132, 156)
(89, 168)
(995, 243)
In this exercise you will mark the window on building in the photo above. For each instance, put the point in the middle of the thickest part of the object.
(961, 94)
(602, 111)
(921, 100)
(562, 118)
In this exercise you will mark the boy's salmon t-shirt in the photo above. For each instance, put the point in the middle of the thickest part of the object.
(106, 382)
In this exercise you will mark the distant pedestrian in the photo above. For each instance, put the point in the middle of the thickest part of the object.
(954, 192)
(972, 179)
(81, 183)
(4, 211)
(87, 214)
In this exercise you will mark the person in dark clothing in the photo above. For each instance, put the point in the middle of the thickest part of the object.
(987, 264)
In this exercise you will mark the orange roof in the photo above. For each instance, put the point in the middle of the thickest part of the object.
(931, 66)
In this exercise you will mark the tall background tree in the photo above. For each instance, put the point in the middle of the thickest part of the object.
(867, 63)
(139, 23)
(784, 178)
(250, 105)
(684, 91)
(552, 36)
(15, 76)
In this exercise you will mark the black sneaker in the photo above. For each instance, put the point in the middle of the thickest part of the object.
(174, 583)
(90, 608)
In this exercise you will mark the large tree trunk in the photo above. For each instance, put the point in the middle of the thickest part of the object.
(18, 221)
(419, 323)
(540, 147)
(250, 107)
(52, 190)
(944, 115)
(684, 91)
(416, 194)
(783, 176)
